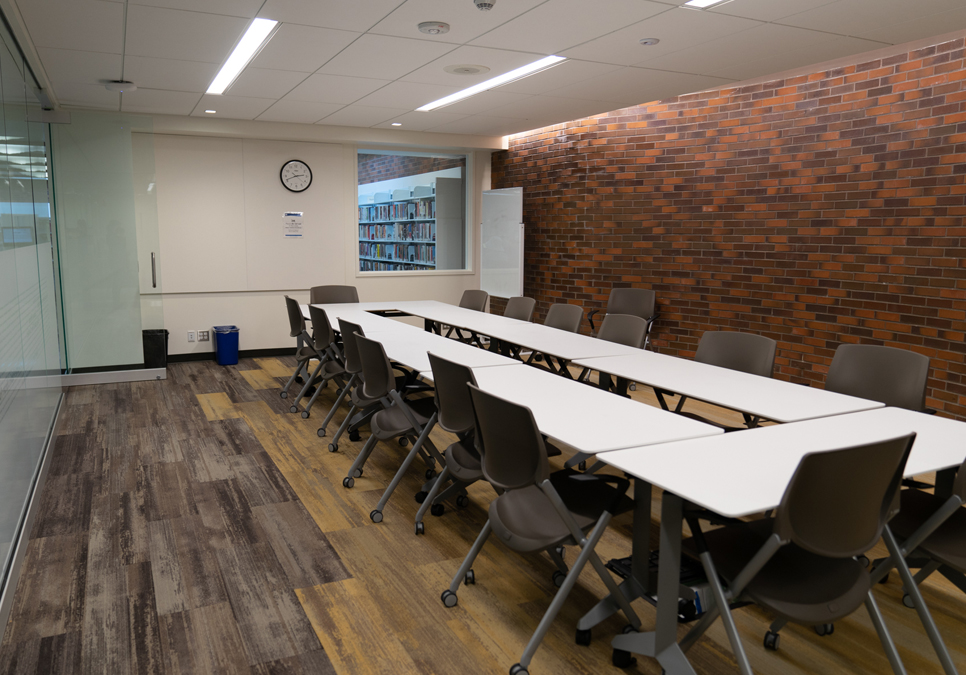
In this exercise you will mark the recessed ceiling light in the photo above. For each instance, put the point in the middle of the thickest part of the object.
(466, 69)
(433, 27)
(257, 35)
(120, 86)
(493, 82)
(211, 112)
(703, 4)
(647, 42)
(397, 124)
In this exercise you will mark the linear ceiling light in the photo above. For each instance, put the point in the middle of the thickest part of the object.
(703, 4)
(493, 82)
(254, 39)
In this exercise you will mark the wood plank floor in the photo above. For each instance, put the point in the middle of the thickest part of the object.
(194, 525)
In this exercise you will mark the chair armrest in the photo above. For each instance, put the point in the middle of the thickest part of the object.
(622, 485)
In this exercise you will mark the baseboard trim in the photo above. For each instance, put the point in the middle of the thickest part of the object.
(244, 354)
(110, 376)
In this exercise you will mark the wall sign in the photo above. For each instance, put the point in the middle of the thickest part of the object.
(292, 224)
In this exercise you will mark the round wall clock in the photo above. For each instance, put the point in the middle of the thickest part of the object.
(296, 175)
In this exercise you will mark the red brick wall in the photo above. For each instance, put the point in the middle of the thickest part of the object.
(375, 168)
(816, 210)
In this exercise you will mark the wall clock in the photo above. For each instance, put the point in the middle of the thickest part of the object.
(296, 175)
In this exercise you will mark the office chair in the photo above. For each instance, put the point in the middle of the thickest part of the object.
(801, 564)
(471, 299)
(896, 377)
(640, 302)
(521, 309)
(538, 510)
(303, 354)
(744, 352)
(623, 329)
(331, 295)
(561, 316)
(395, 418)
(330, 366)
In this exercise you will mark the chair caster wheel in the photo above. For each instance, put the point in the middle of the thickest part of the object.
(305, 414)
(449, 598)
(686, 611)
(864, 560)
(300, 380)
(430, 474)
(348, 482)
(632, 386)
(293, 409)
(284, 394)
(622, 659)
(333, 447)
(462, 501)
(421, 497)
(558, 578)
(583, 637)
(375, 516)
(403, 441)
(771, 641)
(825, 629)
(355, 436)
(437, 509)
(582, 466)
(420, 528)
(908, 601)
(470, 578)
(628, 629)
(517, 669)
(357, 473)
(321, 433)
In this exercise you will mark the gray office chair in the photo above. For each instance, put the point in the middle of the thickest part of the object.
(396, 418)
(330, 366)
(538, 510)
(303, 354)
(639, 302)
(896, 377)
(471, 299)
(623, 329)
(521, 309)
(331, 295)
(561, 316)
(744, 352)
(801, 564)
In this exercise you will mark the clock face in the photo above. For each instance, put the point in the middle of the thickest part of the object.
(296, 175)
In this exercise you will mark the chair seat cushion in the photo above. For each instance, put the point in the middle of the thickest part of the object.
(306, 352)
(393, 421)
(526, 520)
(795, 584)
(464, 462)
(947, 543)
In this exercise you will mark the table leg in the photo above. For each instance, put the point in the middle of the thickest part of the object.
(662, 643)
(944, 482)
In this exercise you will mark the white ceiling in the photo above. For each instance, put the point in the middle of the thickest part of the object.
(363, 63)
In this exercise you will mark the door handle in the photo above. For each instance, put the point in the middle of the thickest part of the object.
(154, 272)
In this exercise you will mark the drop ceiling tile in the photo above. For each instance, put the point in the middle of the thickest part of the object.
(568, 72)
(171, 74)
(384, 57)
(676, 29)
(835, 48)
(334, 89)
(302, 48)
(484, 101)
(175, 34)
(409, 95)
(232, 107)
(861, 17)
(264, 83)
(87, 96)
(499, 61)
(465, 20)
(159, 102)
(302, 112)
(550, 108)
(420, 121)
(767, 10)
(67, 65)
(341, 14)
(920, 27)
(479, 125)
(361, 116)
(243, 8)
(87, 25)
(631, 86)
(557, 25)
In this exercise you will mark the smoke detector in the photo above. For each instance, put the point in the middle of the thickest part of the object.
(484, 5)
(120, 86)
(433, 27)
(647, 42)
(466, 69)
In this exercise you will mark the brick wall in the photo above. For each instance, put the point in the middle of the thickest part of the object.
(816, 210)
(375, 168)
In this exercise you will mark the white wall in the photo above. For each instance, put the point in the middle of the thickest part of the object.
(223, 258)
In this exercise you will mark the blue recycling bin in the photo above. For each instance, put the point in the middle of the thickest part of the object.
(226, 345)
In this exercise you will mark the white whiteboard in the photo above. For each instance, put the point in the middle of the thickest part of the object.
(501, 272)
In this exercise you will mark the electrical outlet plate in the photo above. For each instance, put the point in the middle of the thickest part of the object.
(191, 336)
(204, 336)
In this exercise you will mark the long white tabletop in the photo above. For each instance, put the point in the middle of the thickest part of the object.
(763, 397)
(584, 417)
(745, 473)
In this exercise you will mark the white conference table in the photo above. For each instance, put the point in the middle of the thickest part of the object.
(763, 397)
(745, 473)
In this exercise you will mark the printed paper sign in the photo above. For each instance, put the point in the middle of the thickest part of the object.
(292, 224)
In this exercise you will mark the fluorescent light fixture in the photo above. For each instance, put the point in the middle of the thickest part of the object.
(397, 124)
(211, 112)
(703, 4)
(493, 82)
(254, 39)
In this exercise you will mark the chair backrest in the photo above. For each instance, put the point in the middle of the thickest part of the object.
(746, 352)
(330, 295)
(838, 501)
(322, 333)
(565, 317)
(376, 369)
(452, 394)
(350, 351)
(510, 444)
(296, 322)
(634, 301)
(623, 329)
(896, 377)
(519, 307)
(474, 300)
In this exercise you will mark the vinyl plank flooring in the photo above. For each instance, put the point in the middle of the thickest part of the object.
(316, 662)
(217, 406)
(203, 640)
(276, 368)
(259, 379)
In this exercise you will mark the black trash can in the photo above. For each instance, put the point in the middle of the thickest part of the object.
(155, 348)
